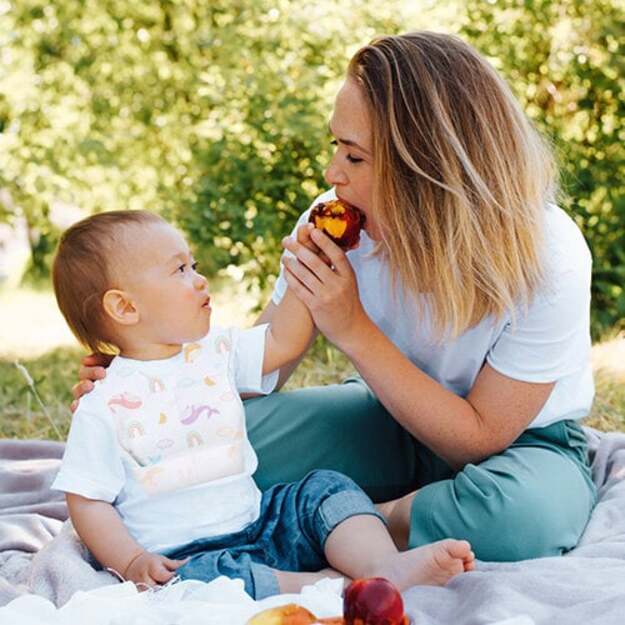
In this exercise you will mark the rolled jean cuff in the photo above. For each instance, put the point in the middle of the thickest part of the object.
(340, 507)
(265, 581)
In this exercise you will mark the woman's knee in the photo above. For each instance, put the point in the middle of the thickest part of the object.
(506, 516)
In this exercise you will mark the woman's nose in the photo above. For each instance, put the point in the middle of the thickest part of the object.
(334, 174)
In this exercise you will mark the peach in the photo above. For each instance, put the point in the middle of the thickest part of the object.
(291, 614)
(373, 601)
(340, 221)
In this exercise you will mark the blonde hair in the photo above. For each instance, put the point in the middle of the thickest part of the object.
(84, 270)
(461, 178)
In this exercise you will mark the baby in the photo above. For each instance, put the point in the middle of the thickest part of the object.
(158, 467)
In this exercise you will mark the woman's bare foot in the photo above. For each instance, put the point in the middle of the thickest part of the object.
(431, 565)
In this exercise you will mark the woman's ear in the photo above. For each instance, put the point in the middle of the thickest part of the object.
(120, 308)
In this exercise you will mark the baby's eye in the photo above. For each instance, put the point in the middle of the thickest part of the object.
(194, 265)
(181, 268)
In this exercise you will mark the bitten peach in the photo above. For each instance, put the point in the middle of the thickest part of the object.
(340, 221)
(373, 601)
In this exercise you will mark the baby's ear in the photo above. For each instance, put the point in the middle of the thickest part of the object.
(119, 307)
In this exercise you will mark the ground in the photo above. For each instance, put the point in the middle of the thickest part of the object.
(33, 333)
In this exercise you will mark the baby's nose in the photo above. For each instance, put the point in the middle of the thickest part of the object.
(200, 281)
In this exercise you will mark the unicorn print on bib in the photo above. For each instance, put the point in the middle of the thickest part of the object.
(186, 427)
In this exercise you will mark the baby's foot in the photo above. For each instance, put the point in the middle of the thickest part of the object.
(432, 565)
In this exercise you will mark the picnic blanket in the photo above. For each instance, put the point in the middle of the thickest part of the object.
(40, 555)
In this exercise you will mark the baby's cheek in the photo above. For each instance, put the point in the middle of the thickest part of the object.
(191, 296)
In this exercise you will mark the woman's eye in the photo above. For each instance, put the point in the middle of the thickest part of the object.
(349, 157)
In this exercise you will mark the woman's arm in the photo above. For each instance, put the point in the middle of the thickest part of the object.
(459, 430)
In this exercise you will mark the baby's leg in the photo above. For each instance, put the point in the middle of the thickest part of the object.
(361, 546)
(327, 515)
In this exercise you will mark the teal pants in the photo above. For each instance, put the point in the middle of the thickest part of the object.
(532, 500)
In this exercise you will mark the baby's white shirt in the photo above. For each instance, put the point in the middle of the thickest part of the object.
(165, 441)
(551, 343)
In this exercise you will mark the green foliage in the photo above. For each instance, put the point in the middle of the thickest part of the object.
(210, 112)
(215, 113)
(266, 138)
(565, 61)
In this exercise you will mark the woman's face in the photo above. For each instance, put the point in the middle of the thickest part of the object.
(351, 169)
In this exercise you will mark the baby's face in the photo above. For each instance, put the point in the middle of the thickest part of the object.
(170, 295)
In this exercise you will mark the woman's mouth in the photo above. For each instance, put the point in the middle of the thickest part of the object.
(368, 226)
(353, 206)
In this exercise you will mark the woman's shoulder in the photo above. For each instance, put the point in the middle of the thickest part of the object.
(562, 234)
(565, 247)
(565, 291)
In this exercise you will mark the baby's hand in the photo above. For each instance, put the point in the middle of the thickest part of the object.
(152, 569)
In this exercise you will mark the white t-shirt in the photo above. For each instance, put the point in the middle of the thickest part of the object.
(551, 343)
(165, 441)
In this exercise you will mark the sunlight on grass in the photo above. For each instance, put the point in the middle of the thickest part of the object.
(31, 324)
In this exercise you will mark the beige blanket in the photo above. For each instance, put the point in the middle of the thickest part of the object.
(585, 586)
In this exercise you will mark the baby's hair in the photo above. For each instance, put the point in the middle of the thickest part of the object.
(84, 270)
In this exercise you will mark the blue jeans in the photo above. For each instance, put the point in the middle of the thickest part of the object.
(289, 535)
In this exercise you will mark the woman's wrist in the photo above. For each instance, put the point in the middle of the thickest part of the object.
(353, 341)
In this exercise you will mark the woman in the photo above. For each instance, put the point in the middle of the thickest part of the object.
(465, 309)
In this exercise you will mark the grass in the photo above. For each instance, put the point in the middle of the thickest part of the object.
(53, 373)
(608, 411)
(30, 333)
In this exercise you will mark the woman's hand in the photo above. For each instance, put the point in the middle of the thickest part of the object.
(152, 569)
(328, 289)
(303, 236)
(93, 367)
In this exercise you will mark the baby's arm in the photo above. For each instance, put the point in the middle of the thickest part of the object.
(291, 331)
(100, 527)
